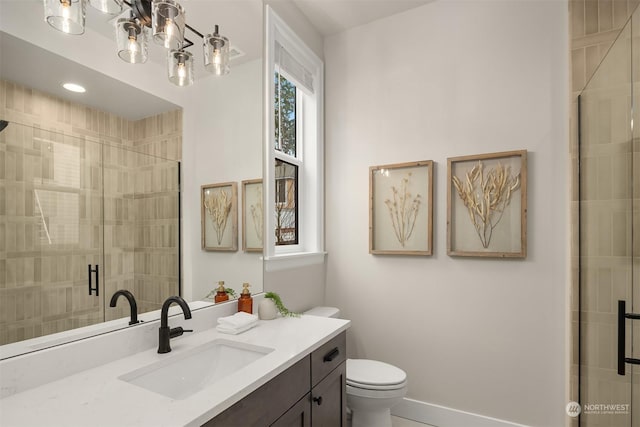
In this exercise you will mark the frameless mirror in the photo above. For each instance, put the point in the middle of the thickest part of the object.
(112, 177)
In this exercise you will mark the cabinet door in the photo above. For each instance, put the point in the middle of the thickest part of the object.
(298, 416)
(329, 400)
(265, 405)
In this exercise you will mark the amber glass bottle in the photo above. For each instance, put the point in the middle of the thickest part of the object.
(221, 294)
(245, 302)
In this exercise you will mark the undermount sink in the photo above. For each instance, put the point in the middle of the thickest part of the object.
(180, 375)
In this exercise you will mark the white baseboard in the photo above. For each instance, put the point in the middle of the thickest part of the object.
(441, 416)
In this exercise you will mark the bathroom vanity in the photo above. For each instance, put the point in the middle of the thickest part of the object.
(311, 392)
(288, 371)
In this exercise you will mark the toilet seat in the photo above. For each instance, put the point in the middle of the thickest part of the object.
(374, 375)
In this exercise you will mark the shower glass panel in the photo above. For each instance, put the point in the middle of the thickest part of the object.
(141, 229)
(635, 193)
(74, 211)
(608, 240)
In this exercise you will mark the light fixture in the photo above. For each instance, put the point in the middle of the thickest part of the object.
(65, 15)
(74, 87)
(168, 23)
(111, 7)
(132, 39)
(165, 19)
(216, 53)
(180, 67)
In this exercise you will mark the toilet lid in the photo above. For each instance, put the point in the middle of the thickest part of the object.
(365, 373)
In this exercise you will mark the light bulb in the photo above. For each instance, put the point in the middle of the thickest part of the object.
(182, 72)
(66, 14)
(133, 48)
(216, 53)
(168, 25)
(180, 67)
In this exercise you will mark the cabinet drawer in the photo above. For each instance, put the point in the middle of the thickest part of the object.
(327, 358)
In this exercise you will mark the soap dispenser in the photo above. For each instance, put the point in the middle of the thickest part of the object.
(221, 294)
(245, 302)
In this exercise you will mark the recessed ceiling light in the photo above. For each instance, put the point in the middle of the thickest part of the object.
(74, 87)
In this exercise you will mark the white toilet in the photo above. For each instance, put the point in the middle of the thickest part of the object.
(373, 387)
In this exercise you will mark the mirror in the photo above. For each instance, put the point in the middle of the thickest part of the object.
(217, 122)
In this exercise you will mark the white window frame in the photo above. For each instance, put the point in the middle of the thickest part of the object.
(309, 152)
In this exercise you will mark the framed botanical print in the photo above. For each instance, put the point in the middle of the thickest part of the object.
(401, 209)
(252, 215)
(487, 205)
(219, 212)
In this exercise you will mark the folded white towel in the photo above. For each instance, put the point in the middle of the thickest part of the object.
(235, 331)
(238, 320)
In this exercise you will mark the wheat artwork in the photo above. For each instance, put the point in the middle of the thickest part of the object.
(403, 209)
(486, 196)
(218, 206)
(256, 213)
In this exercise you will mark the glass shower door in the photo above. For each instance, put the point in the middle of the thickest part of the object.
(607, 242)
(50, 222)
(635, 194)
(81, 218)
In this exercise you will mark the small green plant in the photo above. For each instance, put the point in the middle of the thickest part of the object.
(280, 306)
(230, 291)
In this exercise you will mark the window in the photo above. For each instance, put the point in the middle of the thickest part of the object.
(286, 207)
(285, 115)
(293, 164)
(287, 162)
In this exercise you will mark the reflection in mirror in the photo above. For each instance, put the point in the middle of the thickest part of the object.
(84, 216)
(105, 170)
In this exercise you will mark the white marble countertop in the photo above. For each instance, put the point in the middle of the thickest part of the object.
(96, 397)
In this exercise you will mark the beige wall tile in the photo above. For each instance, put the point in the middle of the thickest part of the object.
(578, 69)
(576, 11)
(605, 15)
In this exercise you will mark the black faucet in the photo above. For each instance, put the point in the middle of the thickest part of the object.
(132, 304)
(165, 334)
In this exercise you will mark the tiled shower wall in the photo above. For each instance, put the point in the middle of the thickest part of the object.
(156, 206)
(43, 284)
(594, 26)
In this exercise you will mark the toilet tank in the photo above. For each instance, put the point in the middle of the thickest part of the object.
(324, 312)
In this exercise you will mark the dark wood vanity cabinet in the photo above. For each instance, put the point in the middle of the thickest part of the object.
(328, 384)
(329, 399)
(311, 393)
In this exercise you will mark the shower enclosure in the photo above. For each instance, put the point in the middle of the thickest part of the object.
(80, 218)
(609, 259)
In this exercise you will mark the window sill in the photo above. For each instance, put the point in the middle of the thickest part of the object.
(294, 260)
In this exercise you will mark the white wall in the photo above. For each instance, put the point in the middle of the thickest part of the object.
(223, 143)
(447, 79)
(291, 14)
